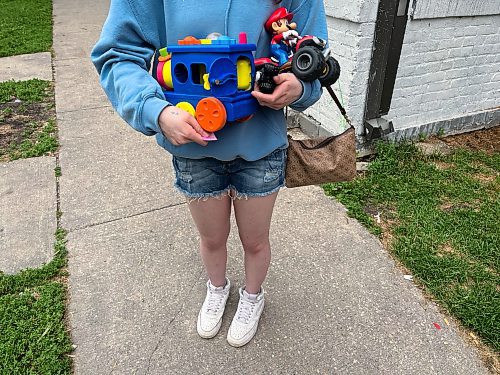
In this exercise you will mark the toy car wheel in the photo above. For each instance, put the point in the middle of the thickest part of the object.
(266, 87)
(331, 73)
(267, 73)
(308, 63)
(270, 69)
(211, 114)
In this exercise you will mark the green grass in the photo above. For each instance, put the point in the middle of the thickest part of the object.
(31, 91)
(34, 339)
(443, 215)
(25, 26)
(41, 143)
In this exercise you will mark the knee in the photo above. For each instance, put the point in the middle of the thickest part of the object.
(256, 246)
(214, 242)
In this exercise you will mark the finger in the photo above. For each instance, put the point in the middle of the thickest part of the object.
(275, 95)
(280, 78)
(273, 101)
(279, 96)
(263, 99)
(193, 136)
(196, 126)
(259, 95)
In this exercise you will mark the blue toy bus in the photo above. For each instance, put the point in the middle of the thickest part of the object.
(212, 79)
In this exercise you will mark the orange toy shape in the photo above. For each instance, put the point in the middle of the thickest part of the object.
(211, 114)
(188, 41)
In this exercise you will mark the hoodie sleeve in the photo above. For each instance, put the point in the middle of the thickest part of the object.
(122, 56)
(311, 20)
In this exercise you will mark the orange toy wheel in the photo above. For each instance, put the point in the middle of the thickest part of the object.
(211, 114)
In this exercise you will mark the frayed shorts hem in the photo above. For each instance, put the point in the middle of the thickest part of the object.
(231, 191)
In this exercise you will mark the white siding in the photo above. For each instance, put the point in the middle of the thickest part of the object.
(448, 68)
(454, 8)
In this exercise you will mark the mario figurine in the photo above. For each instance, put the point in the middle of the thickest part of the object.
(284, 34)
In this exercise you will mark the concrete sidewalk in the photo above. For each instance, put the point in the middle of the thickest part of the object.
(335, 303)
(24, 67)
(27, 186)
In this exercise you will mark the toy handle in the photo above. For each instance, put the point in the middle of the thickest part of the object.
(223, 80)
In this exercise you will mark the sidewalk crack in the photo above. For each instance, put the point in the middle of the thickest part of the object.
(125, 217)
(164, 333)
(84, 109)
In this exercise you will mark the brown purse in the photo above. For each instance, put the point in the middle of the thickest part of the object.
(322, 160)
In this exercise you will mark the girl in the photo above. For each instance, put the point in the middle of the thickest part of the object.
(244, 168)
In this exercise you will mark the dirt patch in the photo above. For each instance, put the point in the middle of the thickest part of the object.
(484, 178)
(445, 249)
(387, 237)
(487, 140)
(447, 206)
(441, 165)
(20, 121)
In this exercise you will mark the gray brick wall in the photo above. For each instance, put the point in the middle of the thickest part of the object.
(448, 69)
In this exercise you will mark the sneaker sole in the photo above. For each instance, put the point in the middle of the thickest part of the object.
(239, 343)
(248, 337)
(208, 334)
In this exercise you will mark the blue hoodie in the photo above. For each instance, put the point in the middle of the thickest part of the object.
(136, 29)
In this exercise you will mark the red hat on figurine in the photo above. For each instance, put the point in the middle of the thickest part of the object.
(277, 15)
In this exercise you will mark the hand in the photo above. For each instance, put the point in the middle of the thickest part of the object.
(290, 34)
(179, 127)
(288, 90)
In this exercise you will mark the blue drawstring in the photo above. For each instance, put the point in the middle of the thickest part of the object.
(227, 17)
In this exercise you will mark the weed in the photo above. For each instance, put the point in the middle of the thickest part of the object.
(44, 142)
(6, 112)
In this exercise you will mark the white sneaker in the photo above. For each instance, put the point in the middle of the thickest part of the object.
(245, 321)
(210, 316)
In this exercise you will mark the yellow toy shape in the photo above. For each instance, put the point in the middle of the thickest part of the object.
(187, 107)
(167, 74)
(244, 73)
(206, 84)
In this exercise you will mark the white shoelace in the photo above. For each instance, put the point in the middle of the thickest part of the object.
(214, 301)
(245, 310)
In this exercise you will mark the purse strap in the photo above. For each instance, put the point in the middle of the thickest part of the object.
(336, 100)
(327, 140)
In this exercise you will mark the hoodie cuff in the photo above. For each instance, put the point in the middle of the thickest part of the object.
(151, 111)
(300, 103)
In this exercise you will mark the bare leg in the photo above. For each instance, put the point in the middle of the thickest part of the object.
(212, 220)
(253, 217)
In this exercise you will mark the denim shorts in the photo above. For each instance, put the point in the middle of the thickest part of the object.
(208, 177)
